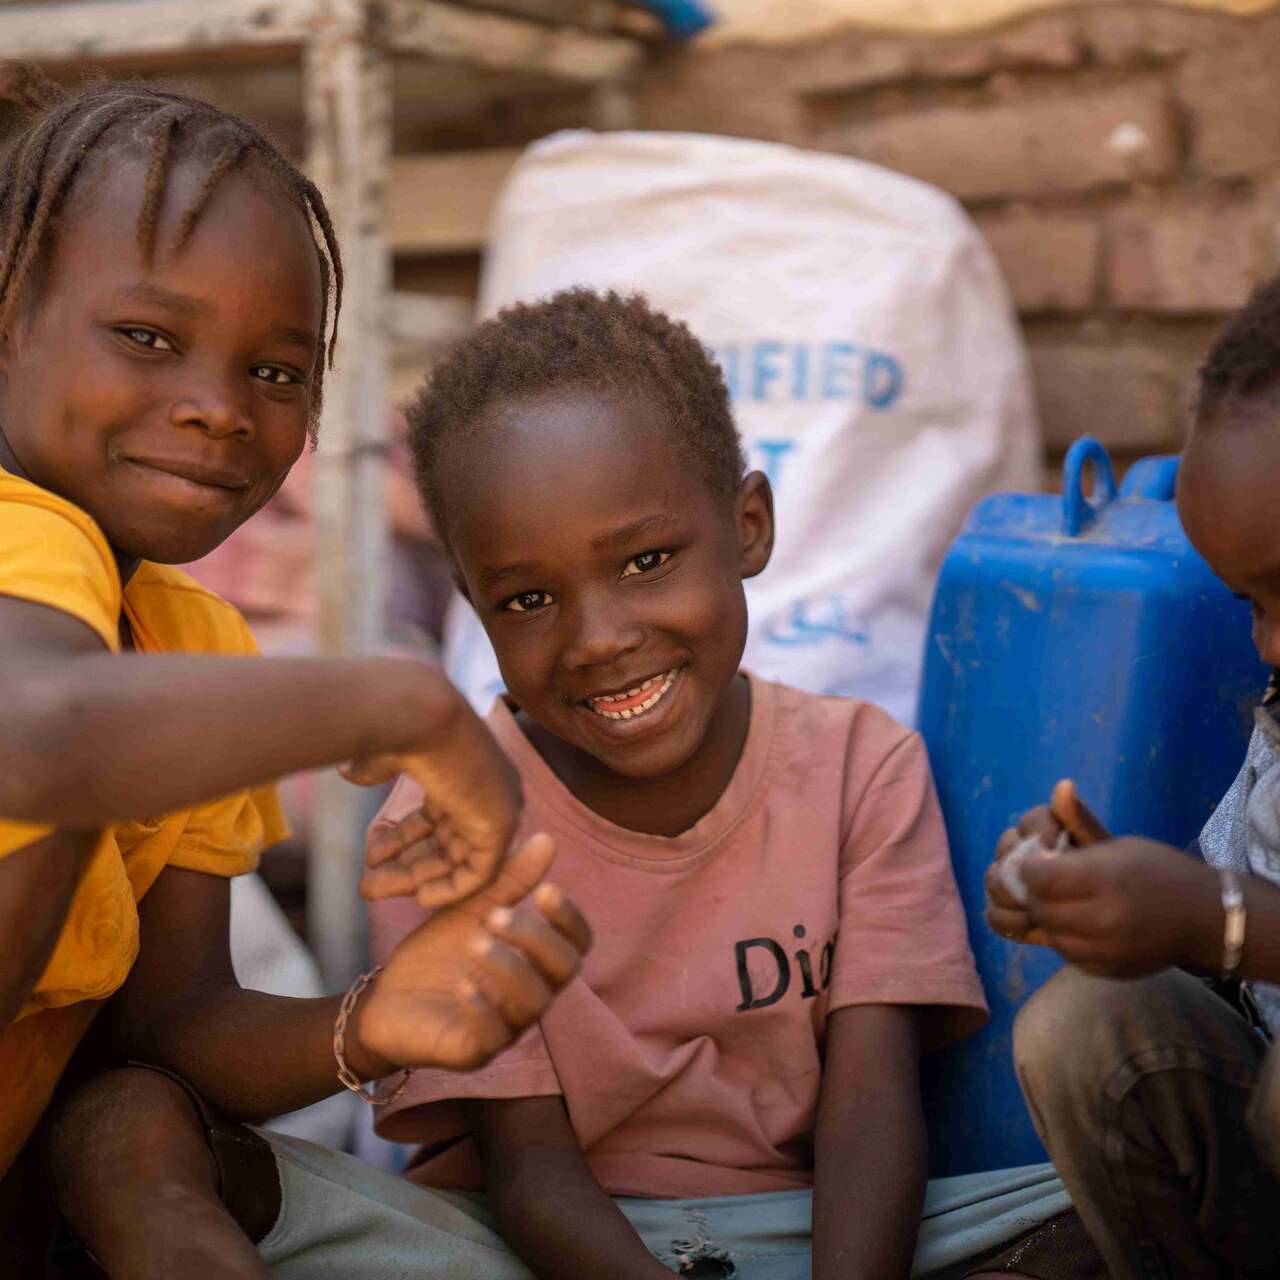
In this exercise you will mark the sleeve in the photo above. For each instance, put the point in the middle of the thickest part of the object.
(49, 558)
(425, 1111)
(902, 936)
(52, 559)
(225, 837)
(1224, 840)
(17, 835)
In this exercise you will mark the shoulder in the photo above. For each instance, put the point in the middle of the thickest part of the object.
(178, 613)
(53, 553)
(861, 735)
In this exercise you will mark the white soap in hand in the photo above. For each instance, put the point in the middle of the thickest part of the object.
(1011, 864)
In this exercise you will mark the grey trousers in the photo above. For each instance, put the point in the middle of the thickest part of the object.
(1160, 1106)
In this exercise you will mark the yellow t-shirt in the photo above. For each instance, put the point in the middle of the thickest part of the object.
(53, 554)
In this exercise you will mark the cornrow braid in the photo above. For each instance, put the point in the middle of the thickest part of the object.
(67, 133)
(578, 339)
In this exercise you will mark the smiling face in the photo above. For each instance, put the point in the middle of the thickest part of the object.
(1227, 503)
(608, 574)
(168, 401)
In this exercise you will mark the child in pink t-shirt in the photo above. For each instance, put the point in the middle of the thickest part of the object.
(731, 1088)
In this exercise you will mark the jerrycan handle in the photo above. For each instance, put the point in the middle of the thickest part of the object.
(1154, 478)
(1078, 509)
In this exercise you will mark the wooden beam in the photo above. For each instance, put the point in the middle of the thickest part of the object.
(347, 98)
(133, 30)
(137, 31)
(429, 28)
(442, 203)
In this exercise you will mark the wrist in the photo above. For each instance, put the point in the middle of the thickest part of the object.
(359, 1048)
(1207, 923)
(413, 705)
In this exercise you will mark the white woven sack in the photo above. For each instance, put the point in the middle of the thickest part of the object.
(867, 338)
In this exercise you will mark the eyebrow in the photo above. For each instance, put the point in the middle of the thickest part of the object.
(629, 532)
(292, 335)
(490, 578)
(495, 577)
(166, 298)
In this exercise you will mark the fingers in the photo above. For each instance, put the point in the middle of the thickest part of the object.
(998, 891)
(508, 980)
(1052, 877)
(1042, 822)
(522, 871)
(551, 951)
(1075, 816)
(564, 914)
(1016, 926)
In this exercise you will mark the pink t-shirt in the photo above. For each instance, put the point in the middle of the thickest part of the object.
(689, 1052)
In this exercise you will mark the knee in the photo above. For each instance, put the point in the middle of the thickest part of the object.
(1048, 1040)
(112, 1125)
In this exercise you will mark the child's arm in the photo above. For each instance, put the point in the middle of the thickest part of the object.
(1129, 907)
(870, 1150)
(454, 992)
(550, 1207)
(87, 737)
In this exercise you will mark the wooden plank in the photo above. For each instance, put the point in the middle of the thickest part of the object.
(100, 32)
(442, 203)
(433, 29)
(97, 31)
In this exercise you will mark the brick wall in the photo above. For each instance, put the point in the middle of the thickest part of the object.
(1123, 160)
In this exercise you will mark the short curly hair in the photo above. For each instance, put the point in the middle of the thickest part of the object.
(1245, 360)
(577, 338)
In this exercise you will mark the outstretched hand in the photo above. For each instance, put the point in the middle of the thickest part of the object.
(463, 985)
(453, 845)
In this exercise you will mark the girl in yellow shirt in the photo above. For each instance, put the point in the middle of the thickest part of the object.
(169, 284)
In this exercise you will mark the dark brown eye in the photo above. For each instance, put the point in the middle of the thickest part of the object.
(527, 601)
(646, 562)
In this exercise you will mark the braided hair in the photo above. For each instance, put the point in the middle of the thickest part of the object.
(66, 133)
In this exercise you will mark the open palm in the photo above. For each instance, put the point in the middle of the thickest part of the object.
(454, 844)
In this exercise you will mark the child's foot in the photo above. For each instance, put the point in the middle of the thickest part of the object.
(132, 1174)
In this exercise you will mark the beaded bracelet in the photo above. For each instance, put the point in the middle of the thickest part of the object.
(345, 1074)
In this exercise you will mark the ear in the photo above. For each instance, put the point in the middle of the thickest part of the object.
(753, 514)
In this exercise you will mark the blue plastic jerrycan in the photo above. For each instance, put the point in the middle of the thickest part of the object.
(1080, 637)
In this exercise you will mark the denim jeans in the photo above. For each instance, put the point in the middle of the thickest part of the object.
(1160, 1106)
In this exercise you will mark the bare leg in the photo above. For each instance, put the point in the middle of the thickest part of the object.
(131, 1172)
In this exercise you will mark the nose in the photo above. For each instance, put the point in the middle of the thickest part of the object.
(213, 403)
(600, 632)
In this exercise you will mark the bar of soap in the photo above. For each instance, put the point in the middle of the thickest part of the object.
(1011, 864)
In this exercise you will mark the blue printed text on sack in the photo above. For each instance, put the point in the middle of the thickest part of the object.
(774, 372)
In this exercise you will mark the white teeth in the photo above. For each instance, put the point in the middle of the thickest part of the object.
(628, 712)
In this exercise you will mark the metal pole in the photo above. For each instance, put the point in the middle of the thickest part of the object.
(347, 92)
